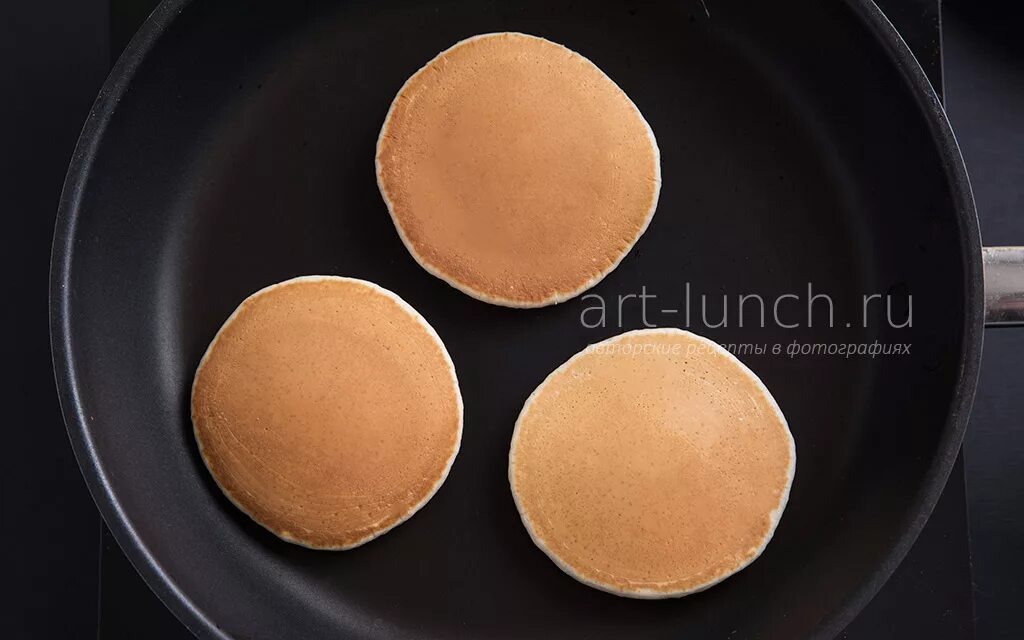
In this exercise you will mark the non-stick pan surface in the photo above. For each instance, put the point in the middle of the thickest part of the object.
(232, 147)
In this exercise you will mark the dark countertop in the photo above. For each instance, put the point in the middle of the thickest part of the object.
(50, 524)
(984, 59)
(929, 596)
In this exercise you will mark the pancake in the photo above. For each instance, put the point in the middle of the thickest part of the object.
(328, 410)
(516, 170)
(651, 465)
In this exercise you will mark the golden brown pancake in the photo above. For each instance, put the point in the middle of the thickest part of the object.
(328, 410)
(651, 465)
(516, 170)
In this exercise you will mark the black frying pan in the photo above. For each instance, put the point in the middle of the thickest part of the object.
(232, 147)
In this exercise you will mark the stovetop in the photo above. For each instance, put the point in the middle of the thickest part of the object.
(929, 596)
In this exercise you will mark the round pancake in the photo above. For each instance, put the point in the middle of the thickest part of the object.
(328, 410)
(516, 170)
(651, 465)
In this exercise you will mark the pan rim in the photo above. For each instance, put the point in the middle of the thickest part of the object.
(973, 324)
(198, 622)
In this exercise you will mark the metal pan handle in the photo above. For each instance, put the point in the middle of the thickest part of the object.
(1004, 286)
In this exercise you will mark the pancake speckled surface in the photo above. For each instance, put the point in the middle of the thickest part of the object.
(328, 410)
(516, 170)
(651, 465)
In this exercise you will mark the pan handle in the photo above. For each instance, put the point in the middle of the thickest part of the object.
(1004, 286)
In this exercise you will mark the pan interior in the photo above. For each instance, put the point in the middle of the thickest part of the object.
(793, 152)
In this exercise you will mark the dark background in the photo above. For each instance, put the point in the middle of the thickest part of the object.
(55, 57)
